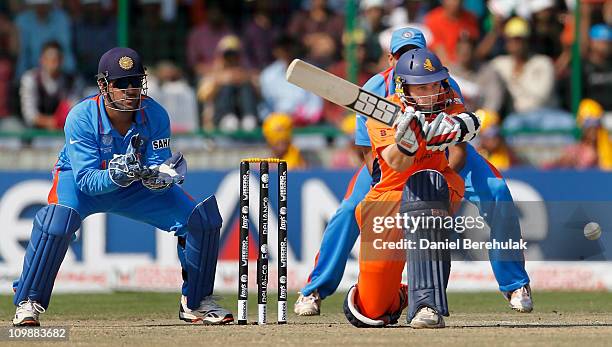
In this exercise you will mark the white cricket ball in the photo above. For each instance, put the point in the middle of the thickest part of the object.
(592, 231)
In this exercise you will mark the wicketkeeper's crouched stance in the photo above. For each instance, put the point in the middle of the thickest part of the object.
(416, 180)
(117, 159)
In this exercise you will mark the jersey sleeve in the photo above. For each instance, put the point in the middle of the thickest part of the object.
(83, 152)
(376, 85)
(158, 145)
(381, 135)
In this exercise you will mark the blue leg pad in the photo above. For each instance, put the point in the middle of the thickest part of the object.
(202, 250)
(426, 195)
(54, 226)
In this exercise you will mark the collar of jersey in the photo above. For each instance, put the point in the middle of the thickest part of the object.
(107, 127)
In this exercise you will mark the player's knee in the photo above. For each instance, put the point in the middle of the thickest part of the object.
(205, 216)
(425, 190)
(57, 220)
(353, 314)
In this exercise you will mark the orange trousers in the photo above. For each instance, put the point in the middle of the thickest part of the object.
(380, 270)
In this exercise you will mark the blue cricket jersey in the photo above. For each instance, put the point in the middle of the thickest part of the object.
(91, 142)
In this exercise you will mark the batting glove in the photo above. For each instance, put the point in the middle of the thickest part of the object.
(409, 131)
(446, 130)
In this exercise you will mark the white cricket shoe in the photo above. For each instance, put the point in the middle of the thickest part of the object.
(209, 312)
(427, 318)
(520, 299)
(309, 305)
(27, 314)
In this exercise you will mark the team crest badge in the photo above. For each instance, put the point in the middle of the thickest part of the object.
(429, 66)
(126, 63)
(107, 139)
(408, 35)
(398, 84)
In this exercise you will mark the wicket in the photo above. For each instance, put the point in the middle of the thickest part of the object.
(262, 258)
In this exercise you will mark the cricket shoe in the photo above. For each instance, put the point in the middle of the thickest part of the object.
(27, 314)
(520, 299)
(209, 312)
(309, 305)
(427, 318)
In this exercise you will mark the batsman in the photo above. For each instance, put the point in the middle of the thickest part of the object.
(417, 181)
(117, 159)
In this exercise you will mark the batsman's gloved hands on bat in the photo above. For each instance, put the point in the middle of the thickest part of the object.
(124, 169)
(409, 131)
(159, 177)
(442, 132)
(446, 130)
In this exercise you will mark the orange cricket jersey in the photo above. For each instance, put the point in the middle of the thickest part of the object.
(382, 136)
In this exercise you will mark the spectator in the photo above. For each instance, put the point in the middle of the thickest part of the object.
(95, 32)
(597, 69)
(410, 13)
(492, 145)
(349, 156)
(47, 92)
(547, 28)
(282, 96)
(9, 46)
(529, 78)
(203, 39)
(259, 36)
(169, 87)
(595, 148)
(332, 112)
(479, 83)
(158, 32)
(372, 25)
(448, 23)
(229, 90)
(38, 25)
(278, 131)
(321, 32)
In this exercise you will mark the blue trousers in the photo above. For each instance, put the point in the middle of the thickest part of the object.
(484, 187)
(167, 210)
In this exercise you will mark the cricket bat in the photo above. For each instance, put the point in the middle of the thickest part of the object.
(342, 92)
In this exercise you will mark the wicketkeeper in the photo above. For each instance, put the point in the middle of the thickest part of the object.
(117, 159)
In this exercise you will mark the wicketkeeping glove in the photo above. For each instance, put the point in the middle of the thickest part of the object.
(124, 169)
(173, 170)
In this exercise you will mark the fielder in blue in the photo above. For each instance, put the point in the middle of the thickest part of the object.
(484, 187)
(117, 159)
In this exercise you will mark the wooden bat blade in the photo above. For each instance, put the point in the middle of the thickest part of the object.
(341, 92)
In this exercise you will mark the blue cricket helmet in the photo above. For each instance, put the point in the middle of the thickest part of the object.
(420, 66)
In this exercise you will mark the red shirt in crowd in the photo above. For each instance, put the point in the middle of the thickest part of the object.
(446, 31)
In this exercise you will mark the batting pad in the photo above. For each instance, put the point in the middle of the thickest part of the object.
(52, 232)
(426, 194)
(201, 250)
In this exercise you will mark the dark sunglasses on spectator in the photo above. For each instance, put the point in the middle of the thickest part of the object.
(126, 82)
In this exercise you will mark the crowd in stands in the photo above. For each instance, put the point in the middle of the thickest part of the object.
(220, 65)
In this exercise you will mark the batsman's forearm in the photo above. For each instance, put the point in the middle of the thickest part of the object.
(397, 160)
